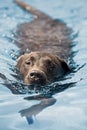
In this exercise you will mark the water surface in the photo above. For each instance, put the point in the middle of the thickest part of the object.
(70, 110)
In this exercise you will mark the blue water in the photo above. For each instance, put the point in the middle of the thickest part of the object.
(70, 110)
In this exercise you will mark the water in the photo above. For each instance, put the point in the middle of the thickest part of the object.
(70, 109)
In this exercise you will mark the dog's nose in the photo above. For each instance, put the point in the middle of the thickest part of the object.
(37, 77)
(35, 74)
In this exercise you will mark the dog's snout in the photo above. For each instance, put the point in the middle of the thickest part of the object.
(35, 74)
(37, 77)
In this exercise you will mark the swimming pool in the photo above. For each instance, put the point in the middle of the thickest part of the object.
(70, 109)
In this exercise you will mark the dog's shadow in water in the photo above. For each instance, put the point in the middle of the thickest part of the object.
(46, 100)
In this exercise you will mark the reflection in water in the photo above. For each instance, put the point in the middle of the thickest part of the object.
(46, 100)
(36, 109)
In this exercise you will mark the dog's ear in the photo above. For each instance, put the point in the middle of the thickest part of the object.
(64, 65)
(20, 60)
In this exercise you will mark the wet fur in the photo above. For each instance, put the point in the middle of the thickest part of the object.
(44, 37)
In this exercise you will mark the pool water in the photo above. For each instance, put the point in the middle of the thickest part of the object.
(69, 112)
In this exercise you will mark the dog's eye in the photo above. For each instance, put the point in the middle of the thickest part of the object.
(28, 62)
(31, 58)
(49, 62)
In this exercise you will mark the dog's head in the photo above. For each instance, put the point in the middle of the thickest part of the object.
(41, 68)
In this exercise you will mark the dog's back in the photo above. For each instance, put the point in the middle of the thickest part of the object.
(43, 34)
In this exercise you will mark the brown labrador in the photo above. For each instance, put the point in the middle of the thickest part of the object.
(48, 42)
